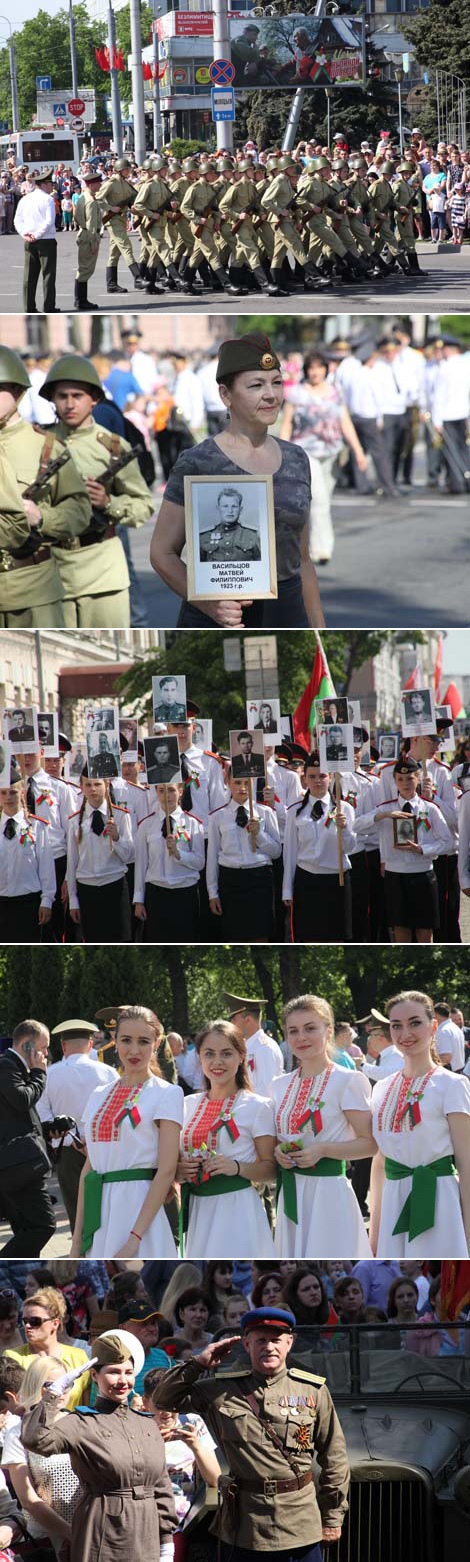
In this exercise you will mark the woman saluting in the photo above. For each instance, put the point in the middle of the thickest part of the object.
(420, 1184)
(250, 383)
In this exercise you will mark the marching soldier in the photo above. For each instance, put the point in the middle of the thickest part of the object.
(116, 197)
(93, 569)
(278, 198)
(382, 198)
(270, 1418)
(326, 251)
(352, 210)
(90, 222)
(199, 205)
(153, 202)
(240, 201)
(57, 511)
(404, 194)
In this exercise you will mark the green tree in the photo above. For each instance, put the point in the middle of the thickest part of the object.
(47, 975)
(18, 999)
(42, 47)
(441, 36)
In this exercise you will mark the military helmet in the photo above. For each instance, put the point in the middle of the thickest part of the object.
(12, 369)
(189, 165)
(71, 366)
(339, 162)
(225, 166)
(357, 162)
(174, 162)
(317, 163)
(147, 165)
(387, 169)
(122, 163)
(157, 163)
(406, 168)
(244, 164)
(272, 164)
(285, 162)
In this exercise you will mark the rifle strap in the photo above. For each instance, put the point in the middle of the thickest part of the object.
(46, 452)
(112, 443)
(271, 1434)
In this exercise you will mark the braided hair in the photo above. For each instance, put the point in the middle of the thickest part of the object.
(109, 809)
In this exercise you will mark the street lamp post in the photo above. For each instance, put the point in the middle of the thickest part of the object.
(329, 95)
(399, 76)
(137, 82)
(73, 51)
(222, 51)
(15, 117)
(157, 115)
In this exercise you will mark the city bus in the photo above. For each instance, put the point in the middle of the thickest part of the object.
(39, 148)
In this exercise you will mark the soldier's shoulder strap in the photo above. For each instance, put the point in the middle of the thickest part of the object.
(38, 819)
(306, 1377)
(49, 440)
(232, 1372)
(112, 442)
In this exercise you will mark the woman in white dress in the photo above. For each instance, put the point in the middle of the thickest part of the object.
(227, 1145)
(132, 1133)
(322, 1120)
(420, 1208)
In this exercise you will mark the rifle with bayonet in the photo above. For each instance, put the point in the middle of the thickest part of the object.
(34, 491)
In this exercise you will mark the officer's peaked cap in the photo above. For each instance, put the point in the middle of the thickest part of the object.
(267, 1317)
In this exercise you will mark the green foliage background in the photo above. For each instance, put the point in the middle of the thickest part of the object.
(42, 48)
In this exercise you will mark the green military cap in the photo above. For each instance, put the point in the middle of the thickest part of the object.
(44, 176)
(387, 169)
(110, 1015)
(71, 366)
(75, 1028)
(157, 163)
(12, 369)
(406, 168)
(189, 165)
(122, 163)
(253, 351)
(93, 177)
(238, 1005)
(317, 163)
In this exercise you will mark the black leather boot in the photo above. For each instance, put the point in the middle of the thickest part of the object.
(112, 281)
(135, 272)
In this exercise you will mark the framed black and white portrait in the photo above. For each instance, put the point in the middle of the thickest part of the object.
(48, 732)
(330, 711)
(230, 538)
(5, 762)
(202, 732)
(20, 726)
(162, 759)
(169, 697)
(75, 761)
(388, 744)
(265, 716)
(405, 830)
(103, 743)
(247, 754)
(418, 717)
(336, 746)
(129, 737)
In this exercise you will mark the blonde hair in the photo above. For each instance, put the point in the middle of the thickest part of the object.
(310, 1001)
(186, 1274)
(52, 1301)
(36, 1375)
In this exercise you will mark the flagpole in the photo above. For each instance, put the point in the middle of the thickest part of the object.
(115, 99)
(321, 648)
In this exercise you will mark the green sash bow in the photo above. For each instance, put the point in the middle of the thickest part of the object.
(287, 1175)
(94, 1194)
(419, 1210)
(206, 1190)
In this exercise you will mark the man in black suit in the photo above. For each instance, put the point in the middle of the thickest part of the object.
(24, 1164)
(247, 762)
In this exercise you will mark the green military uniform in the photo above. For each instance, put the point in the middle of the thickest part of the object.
(256, 1512)
(90, 223)
(14, 529)
(278, 197)
(178, 226)
(93, 570)
(199, 205)
(31, 592)
(404, 195)
(382, 197)
(144, 234)
(116, 197)
(150, 206)
(103, 765)
(173, 712)
(225, 543)
(240, 201)
(361, 243)
(312, 190)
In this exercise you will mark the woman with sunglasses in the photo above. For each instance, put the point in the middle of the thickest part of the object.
(44, 1315)
(132, 1131)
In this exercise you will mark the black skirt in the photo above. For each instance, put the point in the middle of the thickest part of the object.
(411, 900)
(105, 912)
(322, 908)
(19, 919)
(287, 612)
(247, 896)
(172, 915)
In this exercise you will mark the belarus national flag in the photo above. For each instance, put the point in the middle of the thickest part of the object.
(455, 1288)
(320, 686)
(454, 699)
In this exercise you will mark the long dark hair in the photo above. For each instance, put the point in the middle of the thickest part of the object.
(303, 1314)
(234, 1036)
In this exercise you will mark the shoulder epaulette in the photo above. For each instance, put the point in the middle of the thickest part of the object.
(109, 441)
(196, 817)
(85, 1410)
(144, 820)
(233, 1372)
(121, 807)
(39, 819)
(218, 810)
(209, 754)
(74, 815)
(296, 804)
(308, 1377)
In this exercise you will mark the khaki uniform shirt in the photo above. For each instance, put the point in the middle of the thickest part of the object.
(101, 567)
(152, 198)
(198, 200)
(279, 195)
(116, 191)
(88, 214)
(229, 542)
(65, 510)
(298, 1407)
(14, 529)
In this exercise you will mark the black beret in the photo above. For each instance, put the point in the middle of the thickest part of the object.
(247, 352)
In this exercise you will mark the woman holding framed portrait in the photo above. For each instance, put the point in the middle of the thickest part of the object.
(240, 502)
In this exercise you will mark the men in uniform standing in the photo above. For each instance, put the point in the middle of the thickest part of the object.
(265, 1060)
(35, 220)
(404, 195)
(31, 591)
(90, 224)
(94, 573)
(116, 197)
(68, 1086)
(270, 1419)
(152, 204)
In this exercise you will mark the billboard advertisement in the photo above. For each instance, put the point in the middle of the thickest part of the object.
(297, 51)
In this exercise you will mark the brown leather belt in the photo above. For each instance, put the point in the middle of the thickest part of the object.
(72, 544)
(270, 1488)
(32, 558)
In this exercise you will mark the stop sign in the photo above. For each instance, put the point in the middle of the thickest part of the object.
(76, 107)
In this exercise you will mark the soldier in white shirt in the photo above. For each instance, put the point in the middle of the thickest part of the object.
(321, 906)
(410, 882)
(239, 873)
(35, 220)
(265, 1060)
(281, 788)
(449, 1040)
(204, 790)
(27, 877)
(361, 791)
(393, 395)
(54, 801)
(464, 843)
(410, 365)
(132, 792)
(450, 412)
(168, 864)
(69, 1084)
(361, 392)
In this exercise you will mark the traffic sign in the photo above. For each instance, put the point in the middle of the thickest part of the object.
(76, 107)
(223, 103)
(43, 83)
(221, 72)
(59, 110)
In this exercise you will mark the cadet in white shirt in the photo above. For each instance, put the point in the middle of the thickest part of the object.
(69, 1085)
(321, 906)
(449, 1039)
(464, 843)
(239, 878)
(132, 793)
(27, 877)
(450, 411)
(54, 801)
(437, 786)
(362, 396)
(392, 393)
(99, 847)
(204, 791)
(282, 787)
(361, 791)
(35, 220)
(264, 1056)
(410, 882)
(167, 869)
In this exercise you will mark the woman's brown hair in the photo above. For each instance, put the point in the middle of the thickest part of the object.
(425, 1003)
(231, 1034)
(137, 1011)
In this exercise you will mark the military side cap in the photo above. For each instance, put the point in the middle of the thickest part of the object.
(75, 1028)
(268, 1318)
(236, 1005)
(253, 351)
(117, 1345)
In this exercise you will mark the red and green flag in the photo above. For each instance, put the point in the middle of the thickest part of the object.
(453, 698)
(319, 687)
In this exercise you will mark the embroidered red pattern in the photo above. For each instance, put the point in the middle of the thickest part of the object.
(200, 1129)
(107, 1121)
(296, 1098)
(393, 1116)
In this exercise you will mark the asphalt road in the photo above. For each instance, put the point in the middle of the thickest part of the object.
(397, 563)
(444, 285)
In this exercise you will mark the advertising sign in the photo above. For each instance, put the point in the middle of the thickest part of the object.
(297, 51)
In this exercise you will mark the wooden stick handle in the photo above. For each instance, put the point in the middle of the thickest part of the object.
(423, 759)
(339, 827)
(250, 806)
(167, 813)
